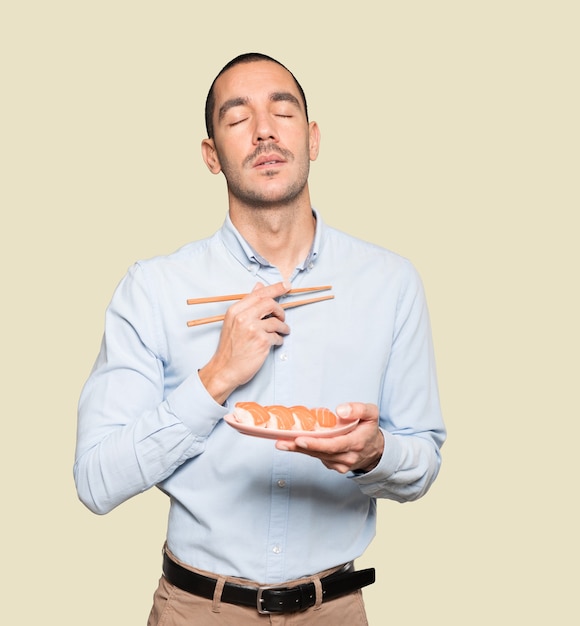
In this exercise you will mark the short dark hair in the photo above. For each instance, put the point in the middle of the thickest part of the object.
(248, 57)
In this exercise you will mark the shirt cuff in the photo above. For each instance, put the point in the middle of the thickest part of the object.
(385, 468)
(195, 407)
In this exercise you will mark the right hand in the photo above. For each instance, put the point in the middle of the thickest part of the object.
(250, 328)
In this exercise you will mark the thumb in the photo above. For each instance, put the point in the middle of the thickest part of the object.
(357, 410)
(344, 411)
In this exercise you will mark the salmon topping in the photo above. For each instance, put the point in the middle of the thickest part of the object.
(281, 417)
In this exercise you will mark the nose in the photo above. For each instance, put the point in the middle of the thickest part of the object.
(265, 128)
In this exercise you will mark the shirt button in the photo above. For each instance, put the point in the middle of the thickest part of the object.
(276, 549)
(284, 356)
(281, 484)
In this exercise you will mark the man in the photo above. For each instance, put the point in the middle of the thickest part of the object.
(247, 513)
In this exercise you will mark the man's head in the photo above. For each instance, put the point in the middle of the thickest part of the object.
(248, 57)
(260, 136)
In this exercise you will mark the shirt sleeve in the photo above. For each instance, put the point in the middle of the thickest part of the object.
(409, 408)
(131, 436)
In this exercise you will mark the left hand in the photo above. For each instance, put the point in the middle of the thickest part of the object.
(359, 450)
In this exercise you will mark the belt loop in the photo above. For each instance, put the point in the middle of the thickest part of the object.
(318, 593)
(217, 594)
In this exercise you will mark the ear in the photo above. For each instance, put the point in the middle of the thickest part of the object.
(313, 140)
(209, 154)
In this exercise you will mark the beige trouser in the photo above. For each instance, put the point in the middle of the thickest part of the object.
(175, 607)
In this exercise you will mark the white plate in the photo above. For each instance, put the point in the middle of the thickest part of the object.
(276, 433)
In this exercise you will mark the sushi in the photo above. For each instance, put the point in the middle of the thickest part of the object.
(280, 417)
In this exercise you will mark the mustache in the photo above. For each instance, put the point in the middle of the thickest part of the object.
(268, 148)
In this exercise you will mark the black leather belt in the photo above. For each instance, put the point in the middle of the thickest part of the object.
(268, 599)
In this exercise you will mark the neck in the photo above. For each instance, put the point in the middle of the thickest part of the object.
(281, 234)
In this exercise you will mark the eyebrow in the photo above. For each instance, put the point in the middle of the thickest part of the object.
(230, 104)
(284, 96)
(277, 96)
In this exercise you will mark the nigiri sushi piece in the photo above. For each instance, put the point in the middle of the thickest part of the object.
(305, 420)
(281, 417)
(251, 413)
(325, 418)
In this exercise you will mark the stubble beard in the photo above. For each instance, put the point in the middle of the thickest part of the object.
(256, 198)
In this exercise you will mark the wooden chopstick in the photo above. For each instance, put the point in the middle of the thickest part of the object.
(239, 296)
(284, 305)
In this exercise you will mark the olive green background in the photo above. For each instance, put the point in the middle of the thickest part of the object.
(450, 134)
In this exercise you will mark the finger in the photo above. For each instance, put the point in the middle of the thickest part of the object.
(340, 462)
(272, 291)
(358, 411)
(256, 305)
(324, 445)
(264, 299)
(275, 326)
(341, 468)
(273, 310)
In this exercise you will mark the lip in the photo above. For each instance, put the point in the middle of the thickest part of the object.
(269, 160)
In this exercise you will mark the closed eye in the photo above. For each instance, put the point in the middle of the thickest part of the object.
(236, 122)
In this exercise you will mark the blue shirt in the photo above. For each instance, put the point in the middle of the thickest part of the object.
(239, 506)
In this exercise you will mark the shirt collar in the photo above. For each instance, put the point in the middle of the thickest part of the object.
(248, 257)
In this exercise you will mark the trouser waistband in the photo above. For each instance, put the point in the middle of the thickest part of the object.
(286, 598)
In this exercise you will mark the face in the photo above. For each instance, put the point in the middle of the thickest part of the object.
(262, 140)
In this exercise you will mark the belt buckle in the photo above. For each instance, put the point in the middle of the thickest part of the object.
(260, 599)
